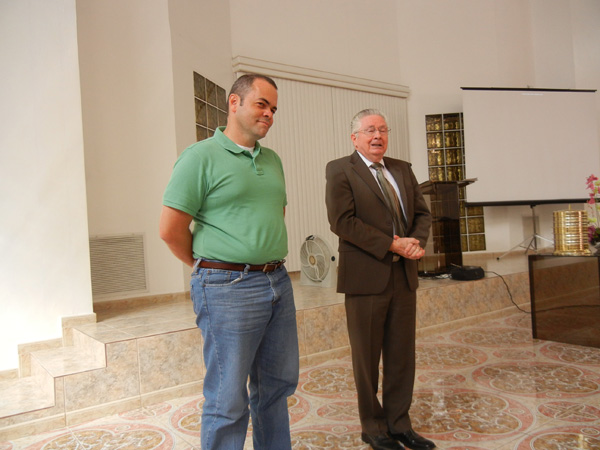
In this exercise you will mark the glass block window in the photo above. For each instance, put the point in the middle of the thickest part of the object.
(446, 160)
(211, 106)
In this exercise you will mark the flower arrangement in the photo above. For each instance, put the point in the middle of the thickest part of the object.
(593, 209)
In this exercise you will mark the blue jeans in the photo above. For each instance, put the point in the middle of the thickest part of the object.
(248, 323)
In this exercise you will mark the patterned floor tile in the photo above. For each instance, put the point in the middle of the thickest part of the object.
(484, 387)
(463, 415)
(576, 437)
(538, 379)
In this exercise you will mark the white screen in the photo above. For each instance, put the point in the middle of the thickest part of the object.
(529, 146)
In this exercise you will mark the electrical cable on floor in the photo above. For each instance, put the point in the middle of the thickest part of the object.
(508, 290)
(538, 310)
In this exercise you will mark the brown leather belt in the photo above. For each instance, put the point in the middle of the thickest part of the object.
(269, 267)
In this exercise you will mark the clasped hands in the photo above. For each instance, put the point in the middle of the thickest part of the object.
(407, 247)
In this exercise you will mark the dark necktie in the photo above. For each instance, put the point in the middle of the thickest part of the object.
(391, 198)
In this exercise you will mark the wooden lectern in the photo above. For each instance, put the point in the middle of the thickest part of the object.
(443, 250)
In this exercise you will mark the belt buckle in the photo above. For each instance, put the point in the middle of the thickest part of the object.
(267, 265)
(274, 264)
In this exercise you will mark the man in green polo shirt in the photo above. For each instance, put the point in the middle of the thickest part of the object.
(234, 191)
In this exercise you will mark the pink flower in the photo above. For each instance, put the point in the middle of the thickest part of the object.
(593, 185)
(593, 236)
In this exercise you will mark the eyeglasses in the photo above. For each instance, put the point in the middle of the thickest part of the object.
(370, 132)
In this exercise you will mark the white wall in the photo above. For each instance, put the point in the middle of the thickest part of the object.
(129, 124)
(137, 64)
(350, 37)
(448, 45)
(44, 256)
(502, 43)
(444, 48)
(201, 42)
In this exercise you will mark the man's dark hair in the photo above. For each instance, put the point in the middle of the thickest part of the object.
(244, 83)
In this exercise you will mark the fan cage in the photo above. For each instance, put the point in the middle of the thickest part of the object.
(315, 258)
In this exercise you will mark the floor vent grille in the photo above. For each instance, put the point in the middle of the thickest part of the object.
(118, 265)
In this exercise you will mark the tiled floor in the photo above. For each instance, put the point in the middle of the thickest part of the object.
(484, 386)
(489, 386)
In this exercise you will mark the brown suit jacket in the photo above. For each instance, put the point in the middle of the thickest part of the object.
(359, 216)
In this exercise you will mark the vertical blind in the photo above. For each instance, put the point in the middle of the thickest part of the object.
(312, 127)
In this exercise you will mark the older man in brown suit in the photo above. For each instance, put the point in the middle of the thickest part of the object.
(375, 206)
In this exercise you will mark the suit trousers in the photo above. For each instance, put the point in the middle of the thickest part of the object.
(382, 327)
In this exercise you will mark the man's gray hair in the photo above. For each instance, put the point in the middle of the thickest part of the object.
(355, 124)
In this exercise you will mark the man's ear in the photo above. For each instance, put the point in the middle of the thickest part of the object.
(234, 101)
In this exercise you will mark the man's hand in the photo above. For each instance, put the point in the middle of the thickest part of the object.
(174, 229)
(408, 248)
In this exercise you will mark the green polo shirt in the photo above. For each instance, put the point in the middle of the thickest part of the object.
(236, 199)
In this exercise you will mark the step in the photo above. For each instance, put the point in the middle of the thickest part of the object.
(68, 361)
(36, 392)
(24, 395)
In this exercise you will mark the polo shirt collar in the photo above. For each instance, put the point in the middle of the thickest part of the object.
(231, 146)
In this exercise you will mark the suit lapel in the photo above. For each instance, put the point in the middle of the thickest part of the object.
(365, 173)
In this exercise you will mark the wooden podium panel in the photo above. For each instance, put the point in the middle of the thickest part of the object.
(443, 249)
(565, 298)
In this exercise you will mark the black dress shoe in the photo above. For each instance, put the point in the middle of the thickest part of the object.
(412, 440)
(383, 442)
